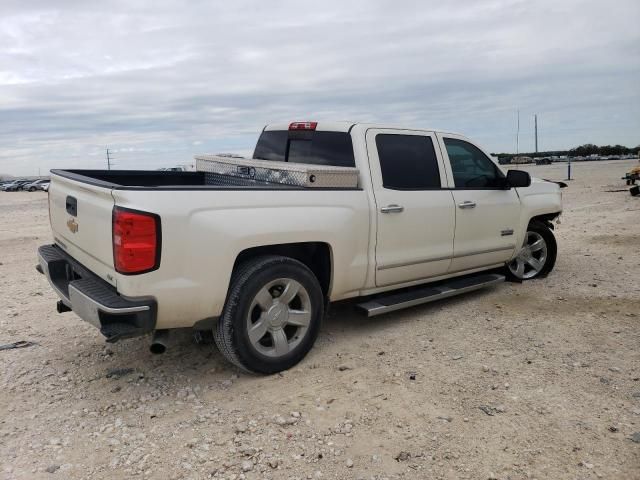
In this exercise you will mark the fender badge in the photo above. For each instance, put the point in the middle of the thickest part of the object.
(73, 226)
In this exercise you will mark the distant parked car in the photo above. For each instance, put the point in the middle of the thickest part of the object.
(16, 185)
(179, 168)
(45, 187)
(33, 186)
(543, 161)
(23, 184)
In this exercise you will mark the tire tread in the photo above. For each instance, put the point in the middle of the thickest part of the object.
(223, 332)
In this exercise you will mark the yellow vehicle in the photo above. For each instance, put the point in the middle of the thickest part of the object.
(632, 176)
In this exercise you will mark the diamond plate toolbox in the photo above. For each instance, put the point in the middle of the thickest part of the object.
(239, 171)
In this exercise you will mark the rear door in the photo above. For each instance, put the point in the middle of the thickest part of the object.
(415, 214)
(487, 213)
(80, 216)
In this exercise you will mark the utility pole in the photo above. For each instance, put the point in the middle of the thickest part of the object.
(108, 159)
(536, 127)
(518, 136)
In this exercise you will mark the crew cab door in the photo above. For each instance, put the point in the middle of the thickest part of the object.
(487, 212)
(415, 215)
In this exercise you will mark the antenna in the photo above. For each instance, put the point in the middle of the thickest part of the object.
(535, 117)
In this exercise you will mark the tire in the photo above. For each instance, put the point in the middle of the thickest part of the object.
(32, 189)
(257, 332)
(536, 262)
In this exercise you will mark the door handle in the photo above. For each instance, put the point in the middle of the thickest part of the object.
(467, 204)
(392, 209)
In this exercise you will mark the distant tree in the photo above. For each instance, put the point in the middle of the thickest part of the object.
(584, 150)
(581, 151)
(614, 150)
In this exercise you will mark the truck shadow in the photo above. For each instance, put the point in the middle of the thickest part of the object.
(128, 365)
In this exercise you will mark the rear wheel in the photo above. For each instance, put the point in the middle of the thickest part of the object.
(272, 315)
(537, 256)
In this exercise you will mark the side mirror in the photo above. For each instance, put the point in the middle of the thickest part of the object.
(518, 178)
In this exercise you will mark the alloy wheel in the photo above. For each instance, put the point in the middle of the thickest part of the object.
(532, 257)
(279, 317)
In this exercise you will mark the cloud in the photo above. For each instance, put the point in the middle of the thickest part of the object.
(161, 81)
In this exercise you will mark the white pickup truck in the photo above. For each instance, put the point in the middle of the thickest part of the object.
(258, 264)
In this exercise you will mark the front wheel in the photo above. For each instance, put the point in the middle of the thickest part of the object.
(272, 315)
(537, 256)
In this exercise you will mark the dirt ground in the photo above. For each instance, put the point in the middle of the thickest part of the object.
(539, 380)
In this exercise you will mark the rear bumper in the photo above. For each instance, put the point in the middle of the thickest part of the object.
(93, 299)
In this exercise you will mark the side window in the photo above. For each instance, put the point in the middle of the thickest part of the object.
(408, 162)
(471, 168)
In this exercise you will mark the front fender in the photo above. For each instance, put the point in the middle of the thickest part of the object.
(541, 199)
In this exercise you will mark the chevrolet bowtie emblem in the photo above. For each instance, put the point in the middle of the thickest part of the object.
(73, 226)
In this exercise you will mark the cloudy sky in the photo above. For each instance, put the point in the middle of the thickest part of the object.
(161, 81)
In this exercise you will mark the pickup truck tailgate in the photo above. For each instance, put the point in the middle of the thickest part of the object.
(80, 216)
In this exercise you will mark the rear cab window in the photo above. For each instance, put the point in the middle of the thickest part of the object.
(310, 147)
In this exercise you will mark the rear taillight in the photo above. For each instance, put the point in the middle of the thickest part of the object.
(303, 125)
(136, 241)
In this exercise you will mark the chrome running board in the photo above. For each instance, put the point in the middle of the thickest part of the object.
(390, 302)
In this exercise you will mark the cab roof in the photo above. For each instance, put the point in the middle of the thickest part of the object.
(346, 126)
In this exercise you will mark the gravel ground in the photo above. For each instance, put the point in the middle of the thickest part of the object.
(539, 380)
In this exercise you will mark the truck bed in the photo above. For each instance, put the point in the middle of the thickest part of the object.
(169, 180)
(203, 228)
(161, 180)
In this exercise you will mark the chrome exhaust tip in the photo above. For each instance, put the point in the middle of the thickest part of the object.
(61, 307)
(159, 342)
